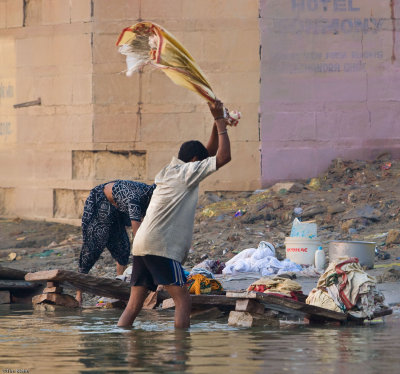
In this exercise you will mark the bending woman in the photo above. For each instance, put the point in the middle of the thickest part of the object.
(108, 209)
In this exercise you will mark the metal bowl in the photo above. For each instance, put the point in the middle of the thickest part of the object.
(364, 251)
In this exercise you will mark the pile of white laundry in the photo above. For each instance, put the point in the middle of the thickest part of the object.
(260, 260)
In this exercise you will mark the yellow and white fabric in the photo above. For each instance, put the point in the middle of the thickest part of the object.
(148, 43)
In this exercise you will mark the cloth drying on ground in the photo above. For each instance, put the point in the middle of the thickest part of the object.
(261, 260)
(199, 284)
(277, 286)
(148, 43)
(346, 287)
(208, 268)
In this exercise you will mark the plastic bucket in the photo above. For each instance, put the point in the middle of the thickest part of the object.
(301, 250)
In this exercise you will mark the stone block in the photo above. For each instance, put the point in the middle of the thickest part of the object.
(160, 9)
(64, 129)
(14, 13)
(393, 237)
(341, 124)
(6, 201)
(117, 10)
(164, 127)
(157, 88)
(168, 304)
(33, 52)
(116, 88)
(231, 86)
(5, 297)
(52, 284)
(108, 165)
(57, 299)
(106, 51)
(33, 13)
(55, 12)
(69, 203)
(241, 174)
(384, 119)
(226, 44)
(246, 319)
(288, 126)
(81, 10)
(232, 9)
(116, 128)
(62, 47)
(293, 162)
(82, 90)
(248, 305)
(3, 15)
(33, 202)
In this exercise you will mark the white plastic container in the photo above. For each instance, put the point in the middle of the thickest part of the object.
(302, 250)
(320, 259)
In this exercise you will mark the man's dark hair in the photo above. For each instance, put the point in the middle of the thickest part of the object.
(192, 148)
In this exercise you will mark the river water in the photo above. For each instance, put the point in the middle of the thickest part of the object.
(88, 341)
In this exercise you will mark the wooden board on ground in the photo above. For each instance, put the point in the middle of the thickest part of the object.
(311, 312)
(11, 274)
(17, 285)
(289, 306)
(220, 301)
(113, 288)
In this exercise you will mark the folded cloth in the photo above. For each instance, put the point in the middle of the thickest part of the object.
(276, 285)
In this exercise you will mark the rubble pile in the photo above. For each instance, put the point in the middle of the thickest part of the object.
(352, 200)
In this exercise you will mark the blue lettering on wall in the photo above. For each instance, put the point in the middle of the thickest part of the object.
(325, 5)
(327, 26)
(6, 91)
(5, 128)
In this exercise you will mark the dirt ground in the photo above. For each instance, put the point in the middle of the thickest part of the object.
(352, 200)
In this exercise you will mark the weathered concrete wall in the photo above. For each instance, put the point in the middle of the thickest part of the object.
(147, 112)
(329, 83)
(94, 124)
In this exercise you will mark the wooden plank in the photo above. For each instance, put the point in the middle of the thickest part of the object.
(214, 300)
(17, 285)
(288, 305)
(203, 300)
(11, 274)
(113, 288)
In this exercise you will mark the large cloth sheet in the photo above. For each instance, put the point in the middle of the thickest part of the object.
(148, 43)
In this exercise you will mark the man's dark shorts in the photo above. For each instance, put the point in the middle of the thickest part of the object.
(151, 271)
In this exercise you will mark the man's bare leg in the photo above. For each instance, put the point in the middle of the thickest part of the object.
(120, 269)
(183, 305)
(78, 297)
(134, 306)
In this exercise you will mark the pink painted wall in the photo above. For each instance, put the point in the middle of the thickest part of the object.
(330, 83)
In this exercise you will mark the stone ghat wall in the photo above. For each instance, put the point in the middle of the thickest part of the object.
(79, 122)
(329, 83)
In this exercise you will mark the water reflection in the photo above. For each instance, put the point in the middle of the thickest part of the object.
(88, 341)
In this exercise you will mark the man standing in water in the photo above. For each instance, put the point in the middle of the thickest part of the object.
(163, 240)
